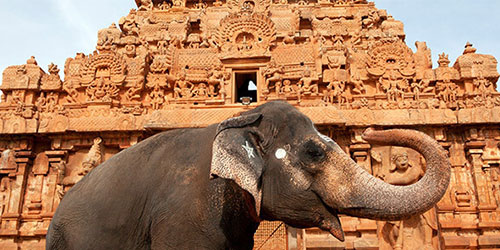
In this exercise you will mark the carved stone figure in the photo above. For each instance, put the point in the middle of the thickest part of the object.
(307, 87)
(183, 88)
(447, 91)
(272, 73)
(289, 90)
(8, 160)
(157, 96)
(483, 87)
(93, 158)
(179, 3)
(417, 231)
(5, 188)
(420, 87)
(53, 80)
(201, 91)
(144, 4)
(335, 92)
(165, 5)
(101, 90)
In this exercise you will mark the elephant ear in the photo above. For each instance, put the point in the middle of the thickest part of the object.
(235, 155)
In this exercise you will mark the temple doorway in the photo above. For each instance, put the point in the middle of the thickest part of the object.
(245, 87)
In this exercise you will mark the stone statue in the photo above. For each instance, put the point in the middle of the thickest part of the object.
(272, 73)
(4, 194)
(416, 232)
(306, 84)
(93, 158)
(183, 88)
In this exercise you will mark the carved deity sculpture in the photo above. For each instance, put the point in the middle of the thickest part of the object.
(47, 102)
(483, 87)
(217, 78)
(420, 87)
(165, 5)
(4, 194)
(93, 158)
(201, 91)
(394, 85)
(357, 63)
(335, 92)
(101, 90)
(72, 96)
(393, 62)
(288, 89)
(145, 4)
(358, 86)
(371, 20)
(306, 85)
(157, 96)
(446, 89)
(8, 160)
(22, 77)
(129, 24)
(179, 3)
(53, 80)
(272, 73)
(416, 232)
(183, 88)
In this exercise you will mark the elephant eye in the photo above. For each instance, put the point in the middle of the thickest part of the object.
(313, 152)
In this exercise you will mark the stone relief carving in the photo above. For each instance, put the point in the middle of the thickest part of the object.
(5, 187)
(393, 62)
(273, 73)
(245, 34)
(404, 167)
(339, 60)
(8, 160)
(248, 5)
(93, 158)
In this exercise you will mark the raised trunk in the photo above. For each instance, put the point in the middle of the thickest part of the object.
(369, 197)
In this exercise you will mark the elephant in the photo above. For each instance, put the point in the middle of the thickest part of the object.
(209, 188)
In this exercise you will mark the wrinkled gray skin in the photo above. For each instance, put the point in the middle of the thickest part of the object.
(209, 188)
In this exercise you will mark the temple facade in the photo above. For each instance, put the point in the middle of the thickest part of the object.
(182, 63)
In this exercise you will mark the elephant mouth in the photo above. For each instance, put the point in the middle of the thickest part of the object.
(331, 222)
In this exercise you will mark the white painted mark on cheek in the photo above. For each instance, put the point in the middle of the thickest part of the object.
(280, 153)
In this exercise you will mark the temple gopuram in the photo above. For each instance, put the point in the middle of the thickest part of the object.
(182, 63)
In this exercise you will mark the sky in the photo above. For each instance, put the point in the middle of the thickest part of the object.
(53, 30)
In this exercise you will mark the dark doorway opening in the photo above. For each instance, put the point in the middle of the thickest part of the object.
(246, 86)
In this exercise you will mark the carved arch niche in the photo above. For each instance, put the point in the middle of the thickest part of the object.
(102, 74)
(244, 35)
(391, 62)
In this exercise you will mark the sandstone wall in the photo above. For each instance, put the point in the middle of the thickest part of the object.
(183, 64)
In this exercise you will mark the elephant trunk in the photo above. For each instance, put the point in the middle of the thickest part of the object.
(369, 197)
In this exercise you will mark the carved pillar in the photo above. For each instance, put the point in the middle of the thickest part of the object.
(483, 176)
(52, 187)
(11, 217)
(359, 150)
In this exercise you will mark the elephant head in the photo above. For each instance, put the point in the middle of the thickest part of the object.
(301, 177)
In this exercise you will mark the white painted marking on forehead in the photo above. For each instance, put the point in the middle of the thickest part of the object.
(325, 138)
(280, 153)
(322, 136)
(328, 140)
(249, 150)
